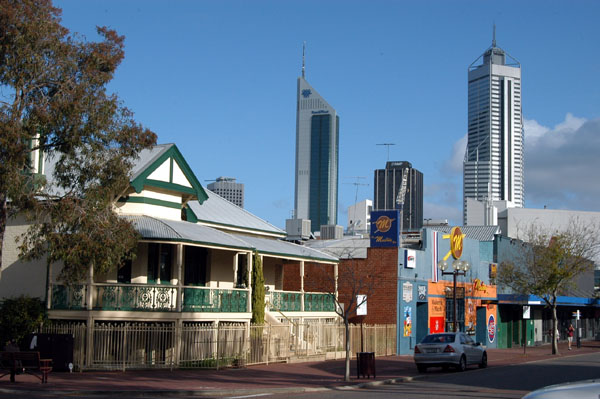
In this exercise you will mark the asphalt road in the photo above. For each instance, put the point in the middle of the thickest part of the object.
(493, 382)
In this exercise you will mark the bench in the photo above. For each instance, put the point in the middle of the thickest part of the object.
(27, 362)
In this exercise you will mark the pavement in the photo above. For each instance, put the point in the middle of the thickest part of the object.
(273, 378)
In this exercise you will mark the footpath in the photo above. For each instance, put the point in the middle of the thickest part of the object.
(273, 378)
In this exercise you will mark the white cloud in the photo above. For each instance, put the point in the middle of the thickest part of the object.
(454, 165)
(562, 165)
(438, 211)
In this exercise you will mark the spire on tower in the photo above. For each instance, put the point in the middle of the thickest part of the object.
(494, 37)
(303, 63)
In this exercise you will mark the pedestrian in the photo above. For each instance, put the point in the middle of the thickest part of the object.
(570, 332)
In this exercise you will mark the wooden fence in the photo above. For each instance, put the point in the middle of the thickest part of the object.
(122, 346)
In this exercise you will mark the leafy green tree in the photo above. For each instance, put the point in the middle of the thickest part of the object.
(20, 316)
(547, 262)
(258, 291)
(53, 100)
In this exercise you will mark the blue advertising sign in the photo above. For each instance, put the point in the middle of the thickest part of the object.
(384, 228)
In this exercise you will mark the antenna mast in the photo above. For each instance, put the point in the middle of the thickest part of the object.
(494, 37)
(303, 61)
(388, 148)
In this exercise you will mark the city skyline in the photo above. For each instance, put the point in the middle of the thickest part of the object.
(218, 79)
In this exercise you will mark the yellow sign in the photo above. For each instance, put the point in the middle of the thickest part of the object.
(456, 242)
(384, 224)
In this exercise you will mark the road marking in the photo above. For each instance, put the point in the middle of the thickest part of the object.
(250, 396)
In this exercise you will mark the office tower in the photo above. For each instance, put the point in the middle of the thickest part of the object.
(317, 141)
(387, 184)
(493, 163)
(227, 188)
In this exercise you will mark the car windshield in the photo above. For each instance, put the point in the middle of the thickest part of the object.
(438, 338)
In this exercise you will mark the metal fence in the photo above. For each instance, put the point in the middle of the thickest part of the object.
(121, 346)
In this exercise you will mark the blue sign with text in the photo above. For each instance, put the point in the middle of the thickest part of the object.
(384, 228)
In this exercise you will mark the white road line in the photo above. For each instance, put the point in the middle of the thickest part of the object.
(249, 396)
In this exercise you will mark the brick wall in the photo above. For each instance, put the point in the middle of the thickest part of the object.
(379, 270)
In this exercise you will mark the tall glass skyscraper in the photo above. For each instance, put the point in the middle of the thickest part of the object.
(317, 142)
(493, 163)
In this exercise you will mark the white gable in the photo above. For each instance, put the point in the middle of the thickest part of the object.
(162, 172)
(179, 176)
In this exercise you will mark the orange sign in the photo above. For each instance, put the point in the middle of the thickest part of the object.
(384, 224)
(456, 242)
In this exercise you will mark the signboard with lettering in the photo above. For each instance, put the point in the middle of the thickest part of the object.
(410, 261)
(384, 228)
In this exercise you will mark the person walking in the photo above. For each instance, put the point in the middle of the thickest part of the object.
(570, 332)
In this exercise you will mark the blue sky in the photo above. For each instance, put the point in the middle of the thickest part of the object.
(218, 78)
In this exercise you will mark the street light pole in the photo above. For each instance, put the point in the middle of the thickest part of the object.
(460, 268)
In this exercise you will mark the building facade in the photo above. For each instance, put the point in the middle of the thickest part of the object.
(493, 162)
(227, 188)
(359, 217)
(317, 142)
(386, 185)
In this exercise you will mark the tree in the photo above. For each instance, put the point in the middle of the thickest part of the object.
(19, 317)
(355, 282)
(547, 262)
(53, 100)
(258, 291)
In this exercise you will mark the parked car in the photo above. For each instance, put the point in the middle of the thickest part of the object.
(580, 390)
(449, 349)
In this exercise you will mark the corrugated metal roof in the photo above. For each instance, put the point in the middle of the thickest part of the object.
(218, 210)
(280, 247)
(170, 230)
(345, 248)
(147, 157)
(479, 233)
(162, 229)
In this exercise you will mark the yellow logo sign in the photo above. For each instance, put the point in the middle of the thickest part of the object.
(384, 224)
(456, 242)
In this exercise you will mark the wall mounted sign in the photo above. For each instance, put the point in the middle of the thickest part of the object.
(422, 292)
(384, 229)
(456, 242)
(407, 292)
(361, 305)
(493, 270)
(491, 327)
(410, 260)
(407, 321)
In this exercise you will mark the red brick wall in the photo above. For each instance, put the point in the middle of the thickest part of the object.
(380, 270)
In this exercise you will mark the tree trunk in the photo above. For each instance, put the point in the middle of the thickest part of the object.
(554, 330)
(347, 370)
(3, 218)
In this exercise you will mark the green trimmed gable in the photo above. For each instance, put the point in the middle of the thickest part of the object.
(170, 172)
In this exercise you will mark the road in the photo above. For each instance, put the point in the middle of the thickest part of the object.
(493, 382)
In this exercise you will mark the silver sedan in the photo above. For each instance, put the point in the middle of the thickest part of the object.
(449, 349)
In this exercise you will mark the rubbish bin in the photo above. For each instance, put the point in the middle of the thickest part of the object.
(365, 364)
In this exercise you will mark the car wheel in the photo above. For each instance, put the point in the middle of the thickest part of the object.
(462, 363)
(421, 368)
(483, 363)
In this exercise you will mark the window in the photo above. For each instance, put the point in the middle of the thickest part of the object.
(159, 263)
(196, 261)
(124, 272)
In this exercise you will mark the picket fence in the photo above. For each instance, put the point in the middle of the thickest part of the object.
(122, 346)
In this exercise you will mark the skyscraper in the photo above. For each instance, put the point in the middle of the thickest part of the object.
(317, 142)
(227, 188)
(386, 185)
(493, 163)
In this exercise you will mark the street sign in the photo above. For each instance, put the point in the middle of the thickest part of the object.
(577, 315)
